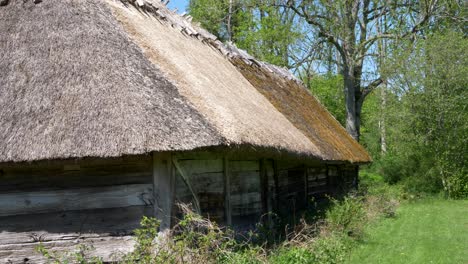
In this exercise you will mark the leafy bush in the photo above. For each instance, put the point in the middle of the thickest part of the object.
(331, 249)
(347, 216)
(328, 249)
(192, 240)
(81, 255)
(291, 255)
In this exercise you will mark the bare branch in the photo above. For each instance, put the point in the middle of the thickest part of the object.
(323, 32)
(371, 86)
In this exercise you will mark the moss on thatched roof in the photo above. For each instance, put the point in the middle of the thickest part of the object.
(109, 78)
(305, 112)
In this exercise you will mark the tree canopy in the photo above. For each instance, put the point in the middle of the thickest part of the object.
(392, 72)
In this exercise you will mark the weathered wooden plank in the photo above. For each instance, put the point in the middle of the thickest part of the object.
(29, 178)
(212, 205)
(199, 155)
(264, 185)
(270, 185)
(289, 164)
(107, 248)
(197, 166)
(245, 181)
(208, 182)
(108, 229)
(332, 171)
(68, 225)
(306, 186)
(59, 163)
(276, 185)
(244, 165)
(227, 192)
(75, 199)
(203, 182)
(249, 209)
(186, 179)
(164, 188)
(313, 184)
(246, 204)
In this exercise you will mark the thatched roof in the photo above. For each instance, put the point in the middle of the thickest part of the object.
(108, 78)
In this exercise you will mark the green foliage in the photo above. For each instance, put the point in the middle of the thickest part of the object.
(267, 32)
(440, 109)
(262, 29)
(246, 255)
(328, 89)
(347, 216)
(194, 239)
(79, 256)
(293, 255)
(426, 117)
(145, 237)
(331, 249)
(381, 199)
(328, 249)
(211, 14)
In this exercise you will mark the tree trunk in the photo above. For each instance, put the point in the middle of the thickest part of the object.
(229, 21)
(353, 104)
(383, 131)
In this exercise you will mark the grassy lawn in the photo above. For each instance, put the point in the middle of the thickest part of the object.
(428, 231)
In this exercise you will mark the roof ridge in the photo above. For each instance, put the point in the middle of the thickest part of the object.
(184, 24)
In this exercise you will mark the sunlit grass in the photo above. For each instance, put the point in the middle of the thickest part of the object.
(428, 231)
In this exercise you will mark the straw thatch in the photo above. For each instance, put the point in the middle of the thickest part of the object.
(306, 113)
(109, 78)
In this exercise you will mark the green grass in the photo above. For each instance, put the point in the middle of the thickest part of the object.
(428, 231)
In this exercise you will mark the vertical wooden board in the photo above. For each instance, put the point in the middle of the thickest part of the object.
(332, 171)
(276, 185)
(227, 192)
(320, 183)
(246, 191)
(292, 189)
(306, 186)
(264, 185)
(206, 178)
(270, 172)
(164, 188)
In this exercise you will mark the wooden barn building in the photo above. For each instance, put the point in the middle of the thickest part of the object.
(115, 109)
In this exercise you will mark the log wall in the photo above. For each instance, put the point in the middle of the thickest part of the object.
(256, 185)
(98, 202)
(101, 201)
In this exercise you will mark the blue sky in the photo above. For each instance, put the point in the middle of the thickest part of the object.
(179, 4)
